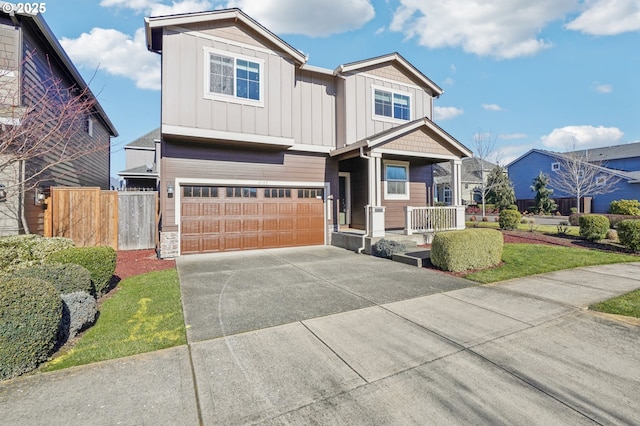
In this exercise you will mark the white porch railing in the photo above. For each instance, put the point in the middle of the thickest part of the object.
(432, 219)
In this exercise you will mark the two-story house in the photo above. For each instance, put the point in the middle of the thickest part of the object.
(261, 149)
(141, 159)
(32, 64)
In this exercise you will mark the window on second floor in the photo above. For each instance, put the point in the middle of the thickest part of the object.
(391, 104)
(232, 77)
(555, 167)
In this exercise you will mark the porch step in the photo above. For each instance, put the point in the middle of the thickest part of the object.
(414, 258)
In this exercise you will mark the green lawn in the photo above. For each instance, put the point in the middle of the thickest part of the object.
(627, 304)
(521, 260)
(144, 315)
(545, 229)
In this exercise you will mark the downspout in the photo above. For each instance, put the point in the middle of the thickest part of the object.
(366, 216)
(21, 198)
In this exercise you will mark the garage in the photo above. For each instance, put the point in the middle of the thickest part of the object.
(224, 218)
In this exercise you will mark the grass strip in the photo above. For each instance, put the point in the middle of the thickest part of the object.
(627, 304)
(521, 260)
(144, 315)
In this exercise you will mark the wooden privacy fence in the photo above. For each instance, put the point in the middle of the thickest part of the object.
(92, 217)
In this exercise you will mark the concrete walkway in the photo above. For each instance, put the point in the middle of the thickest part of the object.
(324, 336)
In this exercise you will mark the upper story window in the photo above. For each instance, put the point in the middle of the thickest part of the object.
(233, 78)
(391, 104)
(88, 126)
(555, 167)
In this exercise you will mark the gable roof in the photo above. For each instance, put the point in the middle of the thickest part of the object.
(50, 39)
(395, 58)
(615, 152)
(381, 138)
(154, 25)
(147, 141)
(471, 170)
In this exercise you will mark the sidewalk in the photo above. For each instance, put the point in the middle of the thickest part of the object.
(521, 351)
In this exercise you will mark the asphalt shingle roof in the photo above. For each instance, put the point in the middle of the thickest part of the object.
(146, 141)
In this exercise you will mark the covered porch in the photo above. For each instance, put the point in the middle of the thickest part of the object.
(386, 182)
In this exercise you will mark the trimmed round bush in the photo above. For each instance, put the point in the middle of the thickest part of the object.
(22, 251)
(78, 311)
(473, 248)
(593, 227)
(45, 247)
(65, 277)
(629, 234)
(387, 248)
(509, 219)
(625, 207)
(99, 261)
(30, 315)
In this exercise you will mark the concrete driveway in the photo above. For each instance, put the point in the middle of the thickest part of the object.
(324, 336)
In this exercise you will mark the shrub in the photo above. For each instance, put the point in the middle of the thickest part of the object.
(629, 234)
(509, 219)
(66, 278)
(387, 248)
(21, 251)
(512, 207)
(612, 235)
(563, 227)
(78, 311)
(574, 219)
(466, 249)
(29, 322)
(625, 207)
(100, 261)
(593, 227)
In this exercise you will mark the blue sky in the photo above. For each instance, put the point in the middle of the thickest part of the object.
(545, 74)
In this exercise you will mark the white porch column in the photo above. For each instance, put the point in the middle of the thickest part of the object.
(378, 178)
(456, 182)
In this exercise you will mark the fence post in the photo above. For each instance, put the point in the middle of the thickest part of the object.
(408, 225)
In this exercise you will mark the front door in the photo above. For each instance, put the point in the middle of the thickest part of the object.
(344, 202)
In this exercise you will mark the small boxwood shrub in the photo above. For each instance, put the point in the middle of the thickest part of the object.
(467, 249)
(30, 314)
(387, 248)
(629, 234)
(65, 277)
(593, 227)
(509, 219)
(79, 310)
(100, 261)
(625, 207)
(22, 251)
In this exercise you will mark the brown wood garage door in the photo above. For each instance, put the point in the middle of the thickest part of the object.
(233, 218)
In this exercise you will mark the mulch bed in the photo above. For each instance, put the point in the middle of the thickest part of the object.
(136, 262)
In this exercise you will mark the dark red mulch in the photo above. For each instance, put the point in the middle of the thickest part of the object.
(136, 262)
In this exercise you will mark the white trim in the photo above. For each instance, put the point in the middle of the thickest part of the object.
(7, 73)
(310, 148)
(319, 70)
(407, 195)
(415, 154)
(198, 34)
(555, 167)
(388, 80)
(347, 198)
(140, 148)
(194, 132)
(392, 119)
(231, 98)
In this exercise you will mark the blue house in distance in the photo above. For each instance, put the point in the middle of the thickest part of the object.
(619, 162)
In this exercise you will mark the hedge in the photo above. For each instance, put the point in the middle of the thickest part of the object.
(100, 261)
(625, 207)
(593, 227)
(20, 251)
(629, 234)
(509, 219)
(66, 278)
(467, 249)
(30, 315)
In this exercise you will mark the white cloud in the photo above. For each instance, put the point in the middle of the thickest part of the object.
(446, 113)
(499, 28)
(492, 107)
(117, 54)
(159, 8)
(608, 17)
(602, 88)
(507, 154)
(449, 81)
(570, 137)
(315, 18)
(511, 136)
(381, 30)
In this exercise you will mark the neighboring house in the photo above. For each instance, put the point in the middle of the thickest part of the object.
(29, 54)
(620, 162)
(141, 159)
(260, 149)
(471, 181)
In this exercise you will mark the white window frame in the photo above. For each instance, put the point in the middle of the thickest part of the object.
(89, 126)
(393, 92)
(406, 195)
(208, 51)
(555, 167)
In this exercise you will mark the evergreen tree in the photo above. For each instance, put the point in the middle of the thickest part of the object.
(544, 203)
(501, 191)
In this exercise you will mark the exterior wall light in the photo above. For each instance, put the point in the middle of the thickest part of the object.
(39, 196)
(3, 192)
(170, 190)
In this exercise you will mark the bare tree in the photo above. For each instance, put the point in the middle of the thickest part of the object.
(42, 121)
(484, 145)
(577, 175)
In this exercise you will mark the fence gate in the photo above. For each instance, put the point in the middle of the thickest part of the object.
(88, 216)
(137, 219)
